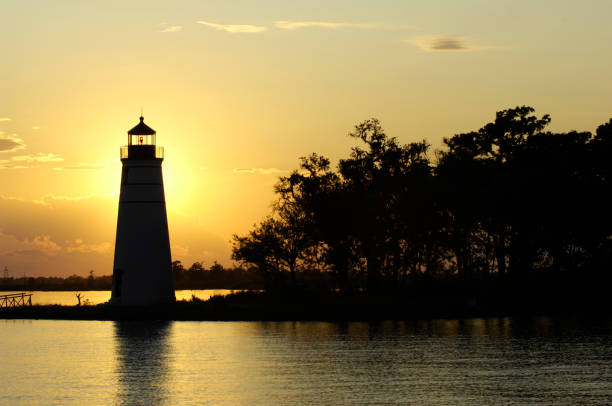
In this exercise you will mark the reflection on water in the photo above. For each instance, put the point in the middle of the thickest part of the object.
(496, 361)
(142, 353)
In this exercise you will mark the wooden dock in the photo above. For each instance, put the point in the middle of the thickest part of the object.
(15, 300)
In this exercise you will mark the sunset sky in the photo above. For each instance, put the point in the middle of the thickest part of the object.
(239, 90)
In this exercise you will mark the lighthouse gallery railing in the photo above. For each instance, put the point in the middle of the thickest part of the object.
(124, 152)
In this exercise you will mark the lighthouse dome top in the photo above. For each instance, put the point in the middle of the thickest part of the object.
(141, 129)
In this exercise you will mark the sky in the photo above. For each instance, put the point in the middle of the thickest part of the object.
(239, 90)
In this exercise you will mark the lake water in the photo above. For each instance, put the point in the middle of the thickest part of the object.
(537, 361)
(100, 296)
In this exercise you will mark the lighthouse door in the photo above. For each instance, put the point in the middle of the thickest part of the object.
(117, 281)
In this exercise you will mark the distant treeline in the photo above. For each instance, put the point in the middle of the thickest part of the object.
(215, 277)
(507, 204)
(73, 282)
(195, 277)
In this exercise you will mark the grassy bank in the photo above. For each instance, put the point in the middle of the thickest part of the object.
(309, 306)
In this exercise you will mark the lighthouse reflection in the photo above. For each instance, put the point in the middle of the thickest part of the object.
(142, 354)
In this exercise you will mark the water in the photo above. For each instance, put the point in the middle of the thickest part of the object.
(472, 362)
(68, 298)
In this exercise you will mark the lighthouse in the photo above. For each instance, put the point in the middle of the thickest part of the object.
(142, 270)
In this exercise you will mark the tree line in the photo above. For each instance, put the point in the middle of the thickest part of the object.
(195, 276)
(72, 282)
(510, 202)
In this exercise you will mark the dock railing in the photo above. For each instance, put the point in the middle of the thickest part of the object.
(15, 300)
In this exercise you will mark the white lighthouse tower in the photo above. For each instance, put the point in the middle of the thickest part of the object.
(142, 271)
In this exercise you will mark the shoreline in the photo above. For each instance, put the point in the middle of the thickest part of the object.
(68, 289)
(262, 307)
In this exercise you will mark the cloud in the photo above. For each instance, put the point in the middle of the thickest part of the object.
(10, 143)
(203, 168)
(263, 171)
(292, 25)
(49, 236)
(50, 198)
(39, 246)
(20, 200)
(88, 244)
(40, 157)
(80, 167)
(78, 246)
(444, 43)
(173, 28)
(179, 250)
(27, 161)
(5, 119)
(44, 246)
(235, 28)
(448, 44)
(35, 127)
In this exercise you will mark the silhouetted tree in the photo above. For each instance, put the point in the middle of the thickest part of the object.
(509, 199)
(485, 192)
(216, 267)
(266, 247)
(196, 267)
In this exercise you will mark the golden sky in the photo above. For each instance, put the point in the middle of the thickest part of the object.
(239, 90)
